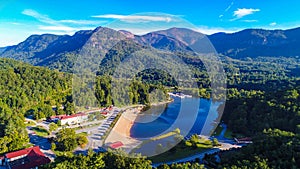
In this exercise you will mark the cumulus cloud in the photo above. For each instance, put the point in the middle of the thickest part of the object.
(242, 12)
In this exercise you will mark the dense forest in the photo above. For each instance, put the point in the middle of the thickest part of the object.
(262, 102)
(272, 119)
(40, 92)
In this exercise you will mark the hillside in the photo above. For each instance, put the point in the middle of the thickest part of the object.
(60, 51)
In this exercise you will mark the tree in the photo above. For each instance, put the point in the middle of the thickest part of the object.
(82, 141)
(215, 142)
(52, 127)
(58, 123)
(47, 110)
(53, 146)
(69, 108)
(66, 139)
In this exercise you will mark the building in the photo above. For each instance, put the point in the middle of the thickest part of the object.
(29, 158)
(116, 145)
(71, 119)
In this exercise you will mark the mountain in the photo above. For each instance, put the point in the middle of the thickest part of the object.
(161, 41)
(46, 49)
(258, 42)
(195, 41)
(2, 49)
(61, 51)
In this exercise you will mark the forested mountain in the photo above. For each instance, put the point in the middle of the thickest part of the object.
(48, 49)
(60, 51)
(258, 42)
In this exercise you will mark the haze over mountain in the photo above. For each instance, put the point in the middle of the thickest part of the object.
(53, 50)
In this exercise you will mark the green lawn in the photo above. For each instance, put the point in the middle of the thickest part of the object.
(40, 131)
(164, 136)
(181, 151)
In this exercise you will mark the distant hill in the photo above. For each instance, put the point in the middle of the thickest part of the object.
(60, 51)
(47, 49)
(2, 49)
(258, 42)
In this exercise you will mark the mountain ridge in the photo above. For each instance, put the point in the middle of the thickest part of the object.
(48, 49)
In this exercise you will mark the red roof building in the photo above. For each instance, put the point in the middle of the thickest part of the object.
(24, 159)
(70, 119)
(116, 145)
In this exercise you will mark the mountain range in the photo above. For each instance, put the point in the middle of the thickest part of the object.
(60, 51)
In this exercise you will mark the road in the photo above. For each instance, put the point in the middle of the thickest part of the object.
(42, 142)
(226, 144)
(95, 133)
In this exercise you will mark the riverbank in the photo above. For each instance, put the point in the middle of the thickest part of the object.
(162, 103)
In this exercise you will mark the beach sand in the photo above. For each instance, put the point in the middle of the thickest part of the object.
(121, 131)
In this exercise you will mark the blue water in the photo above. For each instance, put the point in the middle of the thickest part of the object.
(192, 115)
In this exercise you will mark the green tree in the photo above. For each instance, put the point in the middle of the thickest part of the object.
(66, 139)
(82, 140)
(52, 127)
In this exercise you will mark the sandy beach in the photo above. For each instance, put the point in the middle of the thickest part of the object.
(121, 131)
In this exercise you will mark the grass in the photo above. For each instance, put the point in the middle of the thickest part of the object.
(164, 136)
(178, 152)
(40, 131)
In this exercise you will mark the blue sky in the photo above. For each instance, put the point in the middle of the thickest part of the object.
(19, 19)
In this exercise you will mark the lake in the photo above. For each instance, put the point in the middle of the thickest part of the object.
(190, 115)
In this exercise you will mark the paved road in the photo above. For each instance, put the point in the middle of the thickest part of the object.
(95, 133)
(42, 142)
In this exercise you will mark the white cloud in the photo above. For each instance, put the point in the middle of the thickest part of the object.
(38, 16)
(67, 26)
(241, 12)
(211, 30)
(273, 24)
(249, 21)
(82, 22)
(136, 18)
(227, 9)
